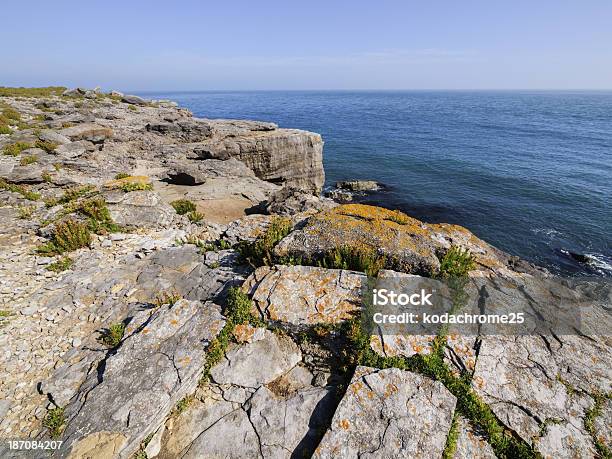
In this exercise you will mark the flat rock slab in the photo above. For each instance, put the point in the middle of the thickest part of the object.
(304, 296)
(135, 388)
(389, 413)
(258, 362)
(538, 387)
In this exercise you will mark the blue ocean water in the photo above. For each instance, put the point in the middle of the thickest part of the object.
(529, 172)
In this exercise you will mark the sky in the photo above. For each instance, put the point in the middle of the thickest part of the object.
(250, 45)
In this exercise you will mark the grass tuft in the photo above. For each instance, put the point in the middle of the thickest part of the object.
(183, 206)
(68, 236)
(136, 186)
(49, 147)
(195, 216)
(259, 252)
(60, 265)
(21, 189)
(28, 160)
(15, 149)
(55, 422)
(113, 335)
(31, 92)
(25, 212)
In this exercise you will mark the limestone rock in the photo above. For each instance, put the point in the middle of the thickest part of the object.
(140, 208)
(48, 135)
(134, 100)
(407, 245)
(75, 149)
(289, 201)
(275, 356)
(88, 131)
(470, 443)
(358, 185)
(303, 296)
(136, 388)
(389, 413)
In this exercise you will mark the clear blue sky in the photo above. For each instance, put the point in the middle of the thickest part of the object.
(236, 44)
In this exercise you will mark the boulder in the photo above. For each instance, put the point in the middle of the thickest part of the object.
(405, 244)
(133, 100)
(358, 185)
(75, 149)
(389, 413)
(276, 355)
(289, 201)
(304, 296)
(88, 131)
(47, 135)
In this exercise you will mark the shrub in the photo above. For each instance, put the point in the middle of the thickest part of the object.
(74, 193)
(68, 236)
(21, 189)
(10, 113)
(49, 147)
(259, 253)
(26, 212)
(55, 422)
(4, 129)
(112, 335)
(121, 175)
(14, 149)
(136, 186)
(357, 258)
(195, 216)
(100, 220)
(28, 160)
(60, 265)
(183, 206)
(456, 263)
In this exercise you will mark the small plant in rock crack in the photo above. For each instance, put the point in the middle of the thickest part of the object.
(456, 263)
(55, 422)
(49, 147)
(68, 236)
(121, 175)
(113, 335)
(136, 186)
(60, 265)
(167, 297)
(16, 148)
(195, 216)
(259, 253)
(28, 160)
(183, 206)
(26, 212)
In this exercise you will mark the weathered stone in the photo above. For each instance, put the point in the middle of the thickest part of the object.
(407, 245)
(304, 296)
(135, 389)
(289, 201)
(134, 100)
(470, 443)
(140, 208)
(248, 228)
(358, 185)
(75, 149)
(275, 356)
(88, 131)
(48, 135)
(389, 413)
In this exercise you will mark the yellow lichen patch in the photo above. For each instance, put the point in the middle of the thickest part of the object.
(138, 179)
(345, 424)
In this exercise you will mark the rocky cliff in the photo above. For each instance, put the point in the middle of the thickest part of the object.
(175, 287)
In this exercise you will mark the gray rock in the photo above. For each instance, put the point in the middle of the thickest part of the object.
(470, 443)
(48, 135)
(304, 296)
(140, 208)
(290, 201)
(135, 389)
(389, 413)
(275, 356)
(75, 149)
(358, 185)
(88, 131)
(134, 100)
(4, 407)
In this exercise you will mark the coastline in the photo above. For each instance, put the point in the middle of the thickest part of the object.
(170, 282)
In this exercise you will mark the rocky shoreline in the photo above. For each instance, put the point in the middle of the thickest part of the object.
(177, 287)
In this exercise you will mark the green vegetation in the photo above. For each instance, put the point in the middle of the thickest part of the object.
(49, 147)
(74, 193)
(357, 258)
(451, 439)
(589, 424)
(136, 186)
(15, 149)
(4, 313)
(26, 212)
(55, 422)
(182, 405)
(99, 218)
(28, 160)
(259, 252)
(121, 175)
(195, 217)
(57, 166)
(8, 116)
(21, 189)
(46, 176)
(112, 335)
(60, 265)
(183, 206)
(167, 297)
(132, 108)
(237, 311)
(455, 263)
(31, 92)
(68, 236)
(4, 129)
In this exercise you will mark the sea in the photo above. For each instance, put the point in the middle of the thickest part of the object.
(528, 171)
